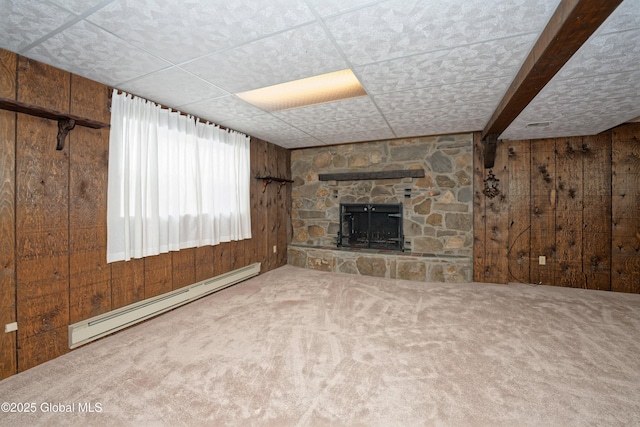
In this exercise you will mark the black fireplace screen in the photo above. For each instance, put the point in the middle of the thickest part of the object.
(373, 226)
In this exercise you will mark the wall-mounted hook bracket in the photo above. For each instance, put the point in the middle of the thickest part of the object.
(64, 126)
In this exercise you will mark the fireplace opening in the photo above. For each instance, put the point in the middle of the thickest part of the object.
(371, 226)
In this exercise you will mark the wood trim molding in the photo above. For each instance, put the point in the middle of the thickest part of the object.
(573, 22)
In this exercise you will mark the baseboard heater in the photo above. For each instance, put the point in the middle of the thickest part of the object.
(91, 329)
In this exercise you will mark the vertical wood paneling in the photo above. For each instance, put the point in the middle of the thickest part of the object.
(158, 275)
(183, 267)
(596, 213)
(273, 216)
(42, 218)
(625, 244)
(261, 206)
(284, 205)
(543, 204)
(236, 255)
(568, 269)
(127, 282)
(204, 263)
(497, 228)
(479, 214)
(223, 254)
(90, 275)
(519, 190)
(8, 363)
(54, 266)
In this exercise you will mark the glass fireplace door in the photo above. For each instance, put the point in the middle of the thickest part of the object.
(371, 226)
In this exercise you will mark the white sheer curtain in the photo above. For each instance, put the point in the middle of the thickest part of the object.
(174, 182)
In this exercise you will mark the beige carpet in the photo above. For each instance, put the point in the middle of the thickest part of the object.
(296, 347)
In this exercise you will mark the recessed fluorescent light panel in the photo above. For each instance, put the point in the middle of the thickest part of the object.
(328, 87)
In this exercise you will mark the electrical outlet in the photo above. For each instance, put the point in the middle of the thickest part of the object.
(10, 327)
(275, 249)
(542, 260)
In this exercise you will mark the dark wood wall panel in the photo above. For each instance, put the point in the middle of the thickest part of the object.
(497, 227)
(127, 282)
(259, 206)
(579, 202)
(90, 275)
(42, 218)
(184, 268)
(519, 190)
(543, 208)
(596, 213)
(158, 275)
(625, 244)
(479, 214)
(569, 195)
(204, 263)
(42, 244)
(8, 363)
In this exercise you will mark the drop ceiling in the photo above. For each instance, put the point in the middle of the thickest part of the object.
(428, 67)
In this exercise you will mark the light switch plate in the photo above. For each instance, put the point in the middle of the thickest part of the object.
(10, 327)
(542, 260)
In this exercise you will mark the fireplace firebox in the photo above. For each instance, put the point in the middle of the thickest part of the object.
(371, 226)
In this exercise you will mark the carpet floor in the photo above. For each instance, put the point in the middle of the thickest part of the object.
(296, 347)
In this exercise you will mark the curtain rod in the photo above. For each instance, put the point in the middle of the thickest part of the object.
(164, 107)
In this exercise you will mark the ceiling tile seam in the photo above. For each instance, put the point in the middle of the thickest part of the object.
(442, 85)
(328, 33)
(591, 76)
(70, 23)
(143, 76)
(350, 9)
(444, 49)
(245, 43)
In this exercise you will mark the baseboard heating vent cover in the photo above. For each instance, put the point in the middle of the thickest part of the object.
(91, 329)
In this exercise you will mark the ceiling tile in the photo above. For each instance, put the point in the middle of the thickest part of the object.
(469, 117)
(330, 112)
(260, 126)
(89, 51)
(486, 92)
(24, 22)
(473, 62)
(603, 54)
(182, 30)
(625, 17)
(360, 124)
(79, 6)
(161, 87)
(299, 142)
(220, 109)
(331, 7)
(357, 136)
(406, 27)
(292, 55)
(583, 106)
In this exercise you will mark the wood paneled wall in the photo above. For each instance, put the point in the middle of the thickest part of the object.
(53, 220)
(575, 201)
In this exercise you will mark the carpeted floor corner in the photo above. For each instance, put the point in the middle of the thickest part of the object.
(296, 347)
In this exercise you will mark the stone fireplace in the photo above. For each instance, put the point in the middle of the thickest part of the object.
(435, 206)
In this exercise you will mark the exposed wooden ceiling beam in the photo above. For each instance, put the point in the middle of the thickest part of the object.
(571, 25)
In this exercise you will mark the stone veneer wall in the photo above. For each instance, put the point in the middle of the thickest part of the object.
(438, 215)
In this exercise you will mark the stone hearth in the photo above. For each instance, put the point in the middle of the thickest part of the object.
(390, 264)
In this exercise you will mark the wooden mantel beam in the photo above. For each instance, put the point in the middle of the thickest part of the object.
(573, 22)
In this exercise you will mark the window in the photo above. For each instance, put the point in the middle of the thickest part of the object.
(174, 182)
